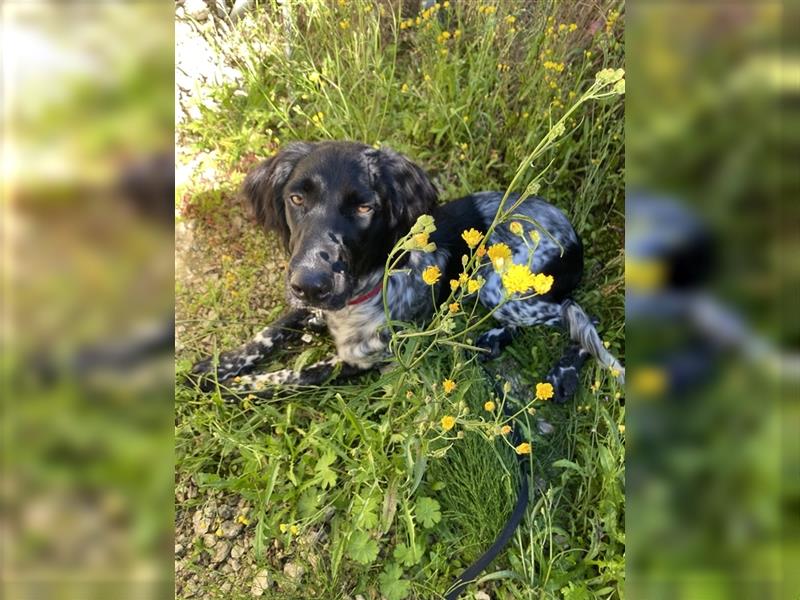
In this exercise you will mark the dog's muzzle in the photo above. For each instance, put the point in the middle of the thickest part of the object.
(312, 286)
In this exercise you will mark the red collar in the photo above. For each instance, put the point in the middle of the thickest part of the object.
(370, 294)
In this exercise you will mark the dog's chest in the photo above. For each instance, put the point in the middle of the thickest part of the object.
(356, 332)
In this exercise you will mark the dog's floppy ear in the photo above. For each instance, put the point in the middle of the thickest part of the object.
(405, 185)
(263, 187)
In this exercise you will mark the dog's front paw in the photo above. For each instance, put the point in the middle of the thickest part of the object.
(206, 372)
(564, 381)
(494, 341)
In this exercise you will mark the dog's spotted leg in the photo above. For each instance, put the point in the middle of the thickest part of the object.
(240, 360)
(495, 340)
(267, 385)
(564, 375)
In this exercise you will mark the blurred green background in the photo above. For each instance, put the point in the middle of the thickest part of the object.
(87, 271)
(713, 471)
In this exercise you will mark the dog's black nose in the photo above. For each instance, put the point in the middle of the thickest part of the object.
(312, 286)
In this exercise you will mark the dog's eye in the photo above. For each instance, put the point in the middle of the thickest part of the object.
(296, 200)
(363, 209)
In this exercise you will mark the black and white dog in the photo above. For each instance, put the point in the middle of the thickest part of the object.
(339, 208)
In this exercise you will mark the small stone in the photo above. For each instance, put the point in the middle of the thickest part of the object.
(231, 529)
(196, 9)
(209, 540)
(482, 596)
(293, 571)
(238, 550)
(179, 549)
(544, 427)
(201, 524)
(261, 583)
(221, 552)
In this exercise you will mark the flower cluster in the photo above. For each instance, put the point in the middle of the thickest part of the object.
(431, 274)
(558, 67)
(520, 279)
(544, 391)
(418, 237)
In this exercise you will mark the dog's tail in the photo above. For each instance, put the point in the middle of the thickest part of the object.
(582, 330)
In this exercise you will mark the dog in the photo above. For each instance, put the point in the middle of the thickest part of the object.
(339, 208)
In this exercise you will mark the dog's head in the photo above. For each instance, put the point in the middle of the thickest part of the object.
(338, 207)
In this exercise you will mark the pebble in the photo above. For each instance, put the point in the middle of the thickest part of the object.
(544, 427)
(221, 552)
(231, 529)
(261, 583)
(201, 524)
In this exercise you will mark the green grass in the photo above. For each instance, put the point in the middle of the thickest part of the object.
(400, 506)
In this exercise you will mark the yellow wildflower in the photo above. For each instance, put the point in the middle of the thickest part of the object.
(445, 35)
(463, 278)
(457, 34)
(420, 239)
(481, 251)
(473, 237)
(542, 283)
(573, 26)
(587, 53)
(621, 428)
(431, 275)
(404, 88)
(283, 527)
(518, 278)
(243, 520)
(523, 448)
(453, 307)
(615, 373)
(505, 429)
(499, 254)
(511, 19)
(544, 391)
(473, 286)
(454, 284)
(448, 422)
(294, 529)
(448, 385)
(516, 228)
(489, 406)
(344, 24)
(446, 4)
(427, 77)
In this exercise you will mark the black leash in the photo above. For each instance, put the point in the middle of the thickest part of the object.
(476, 568)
